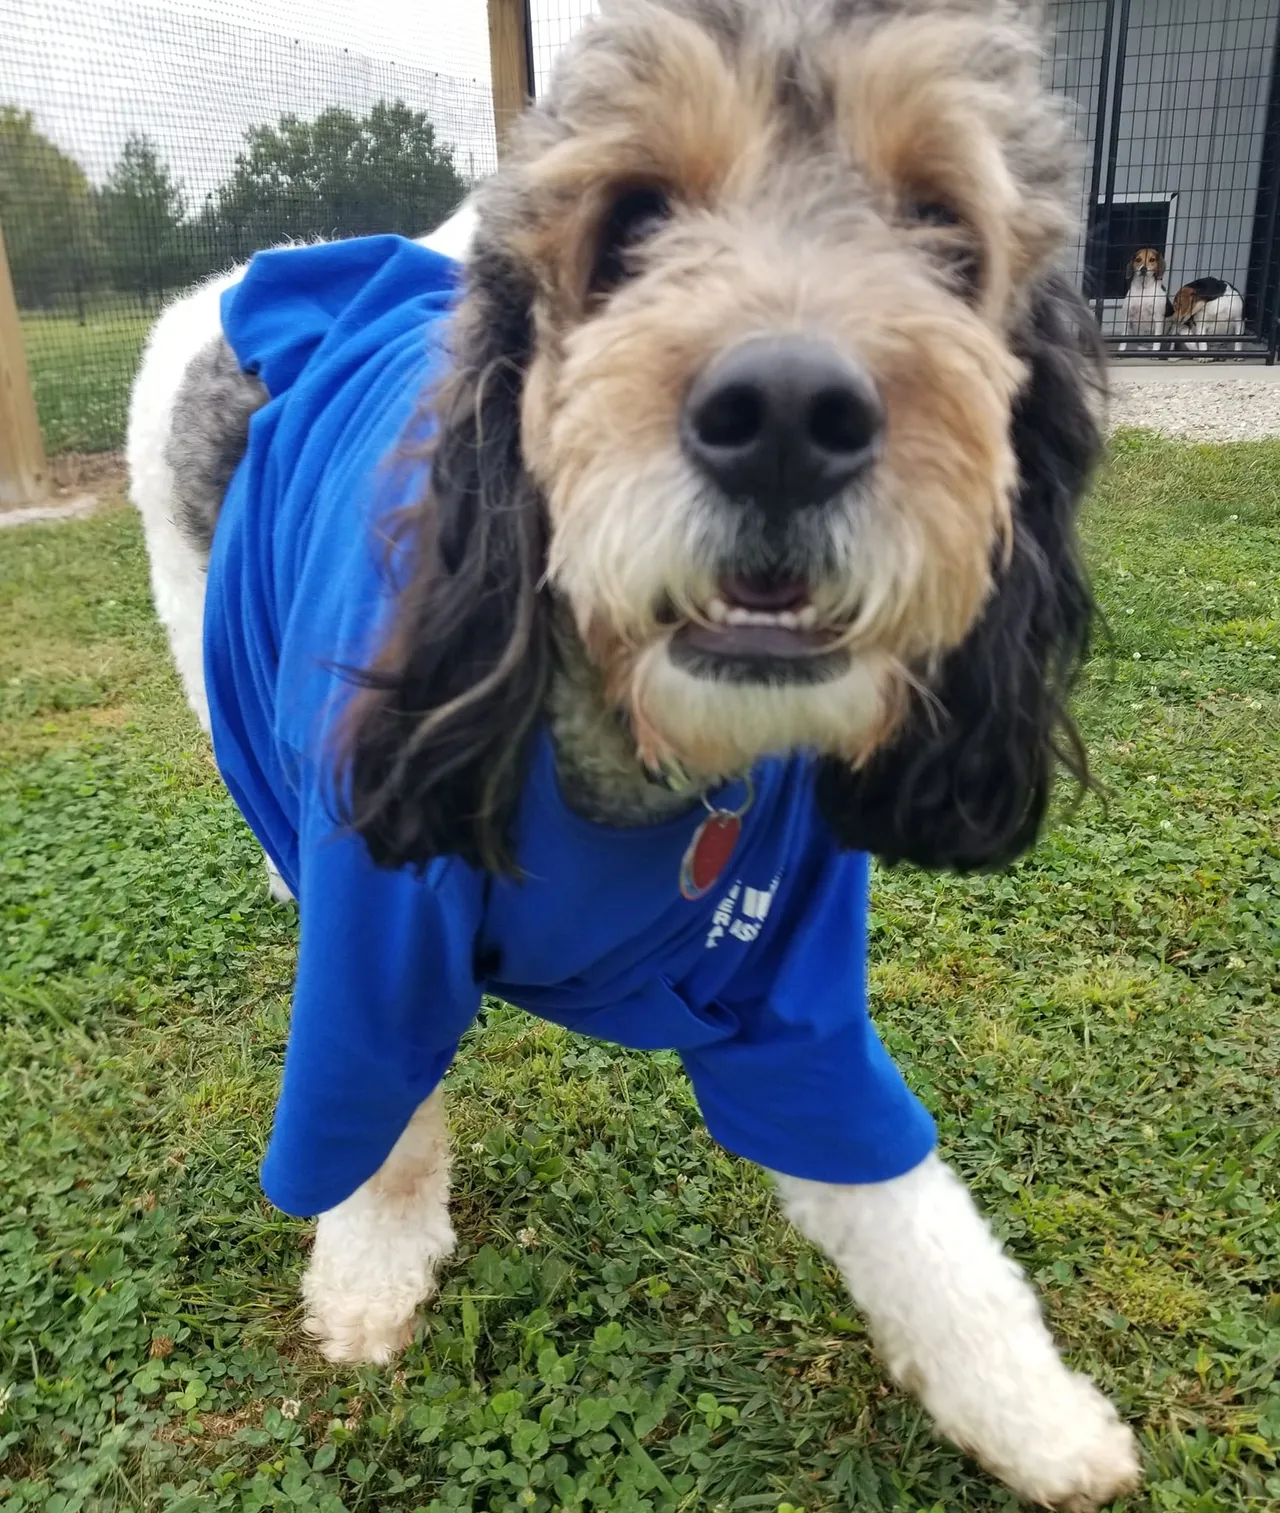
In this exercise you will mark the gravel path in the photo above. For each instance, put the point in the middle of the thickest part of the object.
(1219, 409)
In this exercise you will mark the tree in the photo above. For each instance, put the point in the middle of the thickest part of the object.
(339, 175)
(212, 246)
(46, 208)
(141, 211)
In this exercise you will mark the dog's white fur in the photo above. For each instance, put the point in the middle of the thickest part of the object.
(958, 1325)
(1145, 303)
(377, 1255)
(1223, 316)
(953, 1315)
(177, 571)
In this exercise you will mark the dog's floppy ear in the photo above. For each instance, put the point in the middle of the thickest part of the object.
(966, 783)
(436, 737)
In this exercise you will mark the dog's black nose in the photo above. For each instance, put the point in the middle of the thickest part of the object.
(782, 421)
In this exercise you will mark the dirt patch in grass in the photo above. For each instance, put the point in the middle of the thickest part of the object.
(101, 473)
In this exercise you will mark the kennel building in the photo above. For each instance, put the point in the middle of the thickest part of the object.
(1178, 105)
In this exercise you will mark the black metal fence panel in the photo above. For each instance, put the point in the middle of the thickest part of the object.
(1177, 107)
(1179, 110)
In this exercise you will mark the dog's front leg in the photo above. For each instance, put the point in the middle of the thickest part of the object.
(959, 1326)
(377, 1254)
(280, 891)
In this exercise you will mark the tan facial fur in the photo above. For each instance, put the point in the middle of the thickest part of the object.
(1147, 260)
(795, 146)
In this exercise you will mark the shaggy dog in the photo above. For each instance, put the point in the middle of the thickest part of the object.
(733, 544)
(1146, 303)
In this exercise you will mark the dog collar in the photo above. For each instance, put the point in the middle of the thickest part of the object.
(712, 846)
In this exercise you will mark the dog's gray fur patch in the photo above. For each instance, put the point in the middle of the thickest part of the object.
(209, 436)
(601, 778)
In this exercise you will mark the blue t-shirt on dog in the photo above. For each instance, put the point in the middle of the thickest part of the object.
(760, 985)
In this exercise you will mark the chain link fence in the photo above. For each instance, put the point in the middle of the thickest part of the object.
(144, 146)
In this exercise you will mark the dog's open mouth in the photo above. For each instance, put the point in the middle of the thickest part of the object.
(760, 630)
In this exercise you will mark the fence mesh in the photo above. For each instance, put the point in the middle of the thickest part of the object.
(553, 23)
(144, 143)
(1178, 111)
(142, 148)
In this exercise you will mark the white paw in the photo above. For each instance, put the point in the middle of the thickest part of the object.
(279, 890)
(1064, 1448)
(358, 1328)
(958, 1325)
(377, 1255)
(369, 1274)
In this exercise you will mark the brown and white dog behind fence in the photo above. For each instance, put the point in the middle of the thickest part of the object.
(1146, 302)
(766, 421)
(1206, 307)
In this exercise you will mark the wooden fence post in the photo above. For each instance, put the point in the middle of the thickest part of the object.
(23, 474)
(510, 63)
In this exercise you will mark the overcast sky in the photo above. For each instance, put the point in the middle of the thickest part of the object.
(450, 36)
(193, 74)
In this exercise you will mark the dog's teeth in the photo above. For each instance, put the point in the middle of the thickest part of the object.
(721, 613)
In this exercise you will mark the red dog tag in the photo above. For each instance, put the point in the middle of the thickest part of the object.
(709, 852)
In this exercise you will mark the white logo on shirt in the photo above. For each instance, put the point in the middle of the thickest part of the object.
(741, 912)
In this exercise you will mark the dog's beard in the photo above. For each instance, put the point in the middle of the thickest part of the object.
(715, 725)
(640, 553)
(639, 573)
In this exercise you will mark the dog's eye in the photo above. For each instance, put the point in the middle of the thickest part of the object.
(953, 244)
(932, 213)
(634, 218)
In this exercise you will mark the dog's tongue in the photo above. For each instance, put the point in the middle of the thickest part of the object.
(768, 595)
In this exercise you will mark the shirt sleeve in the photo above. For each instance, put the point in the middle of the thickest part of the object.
(385, 990)
(805, 1087)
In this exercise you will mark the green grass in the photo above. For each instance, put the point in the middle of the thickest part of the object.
(81, 374)
(630, 1326)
